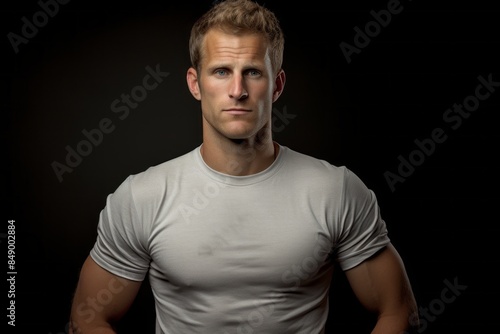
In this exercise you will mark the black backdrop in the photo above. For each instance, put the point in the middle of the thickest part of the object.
(390, 114)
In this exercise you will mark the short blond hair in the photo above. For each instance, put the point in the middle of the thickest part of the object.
(237, 17)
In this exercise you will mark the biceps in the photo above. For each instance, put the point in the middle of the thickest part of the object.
(101, 297)
(381, 283)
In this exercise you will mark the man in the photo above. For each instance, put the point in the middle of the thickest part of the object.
(241, 234)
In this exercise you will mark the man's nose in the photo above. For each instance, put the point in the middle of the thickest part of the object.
(238, 90)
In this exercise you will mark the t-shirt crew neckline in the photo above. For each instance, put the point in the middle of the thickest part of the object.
(245, 179)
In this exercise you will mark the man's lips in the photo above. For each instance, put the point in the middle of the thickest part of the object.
(236, 111)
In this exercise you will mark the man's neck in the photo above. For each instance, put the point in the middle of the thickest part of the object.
(239, 157)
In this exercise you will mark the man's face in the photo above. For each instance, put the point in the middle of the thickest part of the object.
(236, 85)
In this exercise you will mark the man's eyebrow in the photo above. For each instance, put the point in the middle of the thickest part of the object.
(218, 65)
(254, 66)
(250, 65)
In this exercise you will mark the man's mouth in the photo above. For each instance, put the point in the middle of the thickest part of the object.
(236, 111)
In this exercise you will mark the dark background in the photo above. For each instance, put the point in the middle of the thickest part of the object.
(363, 114)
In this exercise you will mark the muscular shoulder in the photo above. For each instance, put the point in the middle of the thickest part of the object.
(312, 170)
(324, 181)
(151, 185)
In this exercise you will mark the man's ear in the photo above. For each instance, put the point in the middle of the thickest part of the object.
(192, 82)
(279, 84)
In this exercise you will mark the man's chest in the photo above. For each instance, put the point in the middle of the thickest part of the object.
(274, 243)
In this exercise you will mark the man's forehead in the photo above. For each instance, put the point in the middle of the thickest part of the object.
(218, 43)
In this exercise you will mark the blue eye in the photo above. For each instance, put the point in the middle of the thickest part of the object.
(221, 72)
(253, 73)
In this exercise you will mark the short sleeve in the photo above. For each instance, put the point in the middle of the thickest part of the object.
(121, 246)
(363, 231)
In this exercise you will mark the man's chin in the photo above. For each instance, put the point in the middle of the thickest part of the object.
(238, 139)
(240, 134)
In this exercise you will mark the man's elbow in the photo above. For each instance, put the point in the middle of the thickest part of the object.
(82, 323)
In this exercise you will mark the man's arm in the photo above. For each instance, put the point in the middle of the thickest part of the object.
(381, 284)
(101, 298)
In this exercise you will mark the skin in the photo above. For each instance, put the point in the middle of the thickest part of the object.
(88, 315)
(382, 286)
(237, 86)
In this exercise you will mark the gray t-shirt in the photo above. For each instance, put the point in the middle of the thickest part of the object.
(239, 254)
